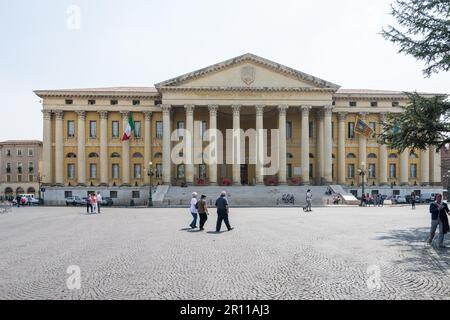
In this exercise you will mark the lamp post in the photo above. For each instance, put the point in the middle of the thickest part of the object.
(150, 174)
(362, 173)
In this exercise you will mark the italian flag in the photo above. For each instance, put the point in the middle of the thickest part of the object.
(129, 129)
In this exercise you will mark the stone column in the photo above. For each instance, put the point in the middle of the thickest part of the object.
(213, 144)
(260, 152)
(147, 143)
(81, 148)
(328, 145)
(425, 167)
(435, 167)
(383, 171)
(282, 180)
(167, 167)
(404, 168)
(341, 170)
(125, 153)
(236, 144)
(363, 148)
(59, 150)
(320, 147)
(189, 144)
(47, 148)
(305, 144)
(104, 180)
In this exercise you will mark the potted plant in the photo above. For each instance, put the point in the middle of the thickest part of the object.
(295, 181)
(226, 182)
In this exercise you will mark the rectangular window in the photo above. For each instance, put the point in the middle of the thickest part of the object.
(373, 126)
(203, 127)
(31, 167)
(69, 101)
(70, 129)
(113, 194)
(311, 170)
(372, 171)
(159, 129)
(289, 171)
(353, 104)
(8, 168)
(19, 152)
(93, 129)
(67, 194)
(136, 195)
(8, 178)
(180, 171)
(413, 171)
(115, 171)
(374, 103)
(30, 178)
(202, 171)
(136, 102)
(31, 152)
(392, 170)
(91, 102)
(71, 171)
(137, 129)
(351, 171)
(395, 104)
(8, 152)
(137, 171)
(311, 130)
(180, 129)
(288, 130)
(19, 167)
(351, 130)
(114, 102)
(93, 171)
(19, 178)
(158, 172)
(115, 129)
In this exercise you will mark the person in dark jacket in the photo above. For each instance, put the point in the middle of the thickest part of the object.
(439, 211)
(202, 211)
(222, 212)
(413, 201)
(89, 204)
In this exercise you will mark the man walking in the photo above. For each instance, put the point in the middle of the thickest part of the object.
(99, 201)
(222, 212)
(89, 204)
(439, 211)
(194, 211)
(308, 201)
(202, 211)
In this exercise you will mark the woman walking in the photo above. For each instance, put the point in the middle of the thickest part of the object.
(94, 203)
(202, 211)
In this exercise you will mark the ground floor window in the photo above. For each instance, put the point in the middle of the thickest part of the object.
(137, 171)
(115, 171)
(135, 195)
(413, 171)
(93, 171)
(67, 194)
(351, 171)
(202, 171)
(70, 171)
(392, 170)
(158, 172)
(180, 171)
(113, 194)
(372, 171)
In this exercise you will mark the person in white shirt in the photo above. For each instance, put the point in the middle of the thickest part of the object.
(194, 210)
(99, 201)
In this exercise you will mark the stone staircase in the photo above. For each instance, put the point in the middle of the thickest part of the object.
(240, 196)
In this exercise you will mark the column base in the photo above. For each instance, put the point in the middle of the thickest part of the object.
(383, 184)
(127, 185)
(404, 184)
(306, 184)
(425, 184)
(59, 184)
(213, 184)
(103, 185)
(81, 185)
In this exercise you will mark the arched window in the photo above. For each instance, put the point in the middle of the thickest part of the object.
(19, 190)
(137, 155)
(9, 191)
(413, 155)
(372, 156)
(71, 155)
(115, 155)
(393, 156)
(158, 155)
(93, 155)
(351, 156)
(311, 156)
(31, 190)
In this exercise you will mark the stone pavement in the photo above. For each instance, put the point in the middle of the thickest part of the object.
(332, 253)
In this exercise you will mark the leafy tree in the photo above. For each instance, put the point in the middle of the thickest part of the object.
(424, 32)
(423, 122)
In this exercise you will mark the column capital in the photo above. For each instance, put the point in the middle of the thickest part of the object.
(236, 109)
(328, 110)
(148, 115)
(103, 114)
(81, 115)
(305, 110)
(213, 109)
(362, 115)
(342, 116)
(47, 114)
(125, 115)
(59, 115)
(165, 107)
(189, 109)
(260, 109)
(282, 108)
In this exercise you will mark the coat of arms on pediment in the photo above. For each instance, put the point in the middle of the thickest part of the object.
(248, 75)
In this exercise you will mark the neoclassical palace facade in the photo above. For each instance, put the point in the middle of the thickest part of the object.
(82, 143)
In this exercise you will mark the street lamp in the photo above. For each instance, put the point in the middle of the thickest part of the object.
(150, 174)
(362, 173)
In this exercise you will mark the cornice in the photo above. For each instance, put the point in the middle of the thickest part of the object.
(248, 89)
(99, 95)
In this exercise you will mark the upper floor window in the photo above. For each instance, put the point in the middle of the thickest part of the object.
(353, 104)
(93, 129)
(69, 101)
(351, 130)
(115, 129)
(114, 102)
(159, 129)
(137, 129)
(20, 167)
(30, 152)
(70, 171)
(19, 152)
(136, 102)
(203, 126)
(8, 152)
(70, 129)
(137, 171)
(8, 168)
(180, 129)
(374, 103)
(289, 130)
(91, 102)
(395, 104)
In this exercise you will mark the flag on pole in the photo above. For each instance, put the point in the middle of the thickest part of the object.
(129, 128)
(362, 128)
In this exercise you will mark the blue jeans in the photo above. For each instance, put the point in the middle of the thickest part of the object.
(194, 221)
(434, 225)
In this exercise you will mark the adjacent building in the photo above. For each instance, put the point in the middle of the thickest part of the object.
(317, 144)
(19, 167)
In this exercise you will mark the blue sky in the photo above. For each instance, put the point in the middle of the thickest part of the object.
(142, 42)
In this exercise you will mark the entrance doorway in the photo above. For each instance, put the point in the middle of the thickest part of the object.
(244, 174)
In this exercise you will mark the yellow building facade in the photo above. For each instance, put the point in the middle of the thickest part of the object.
(316, 145)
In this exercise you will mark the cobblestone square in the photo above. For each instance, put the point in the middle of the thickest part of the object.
(274, 253)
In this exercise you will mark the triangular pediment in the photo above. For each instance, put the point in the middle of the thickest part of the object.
(249, 71)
